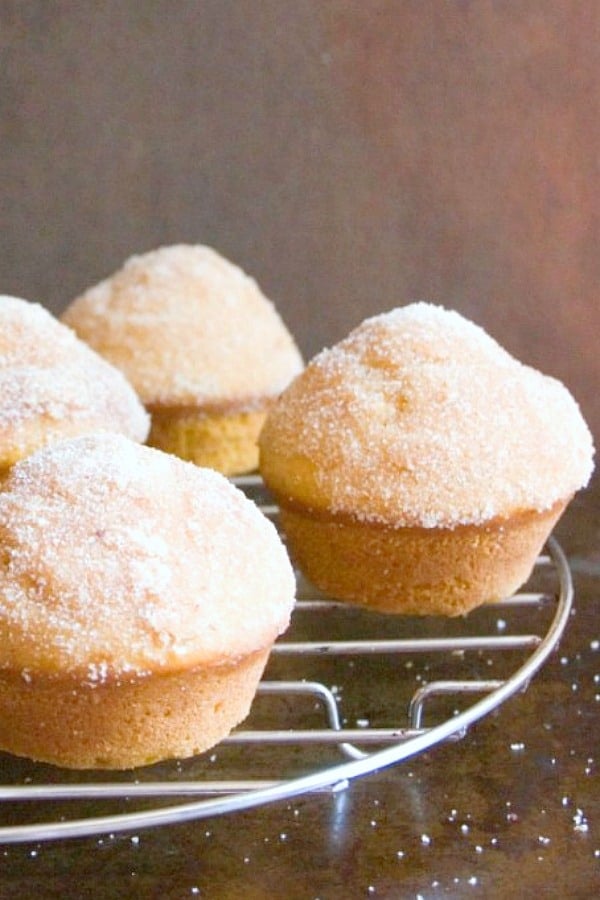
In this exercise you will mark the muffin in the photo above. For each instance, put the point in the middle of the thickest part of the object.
(53, 386)
(419, 467)
(205, 350)
(139, 599)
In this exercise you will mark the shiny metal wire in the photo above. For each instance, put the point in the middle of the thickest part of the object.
(363, 749)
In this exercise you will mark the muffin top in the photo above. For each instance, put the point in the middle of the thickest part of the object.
(118, 560)
(419, 418)
(187, 327)
(52, 385)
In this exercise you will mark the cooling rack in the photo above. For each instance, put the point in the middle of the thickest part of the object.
(346, 692)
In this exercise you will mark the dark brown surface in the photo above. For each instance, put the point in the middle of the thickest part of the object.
(352, 156)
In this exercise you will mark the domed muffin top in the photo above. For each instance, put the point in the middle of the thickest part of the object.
(419, 418)
(117, 560)
(188, 327)
(53, 386)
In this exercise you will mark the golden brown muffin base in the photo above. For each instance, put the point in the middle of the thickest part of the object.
(121, 726)
(417, 571)
(225, 441)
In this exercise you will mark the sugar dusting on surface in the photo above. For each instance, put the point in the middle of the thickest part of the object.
(47, 373)
(117, 558)
(420, 418)
(187, 327)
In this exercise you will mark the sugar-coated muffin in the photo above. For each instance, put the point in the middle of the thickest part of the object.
(206, 351)
(419, 467)
(139, 599)
(53, 386)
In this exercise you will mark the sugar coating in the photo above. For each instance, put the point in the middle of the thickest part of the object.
(420, 418)
(47, 373)
(117, 560)
(188, 327)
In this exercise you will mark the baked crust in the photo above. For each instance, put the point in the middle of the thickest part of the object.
(227, 441)
(417, 571)
(125, 724)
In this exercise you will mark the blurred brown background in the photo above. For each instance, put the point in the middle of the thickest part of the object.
(352, 156)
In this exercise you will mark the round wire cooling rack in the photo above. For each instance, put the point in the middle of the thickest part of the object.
(309, 709)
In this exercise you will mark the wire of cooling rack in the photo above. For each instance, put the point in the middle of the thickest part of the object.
(357, 750)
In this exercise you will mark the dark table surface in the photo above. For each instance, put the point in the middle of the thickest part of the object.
(512, 808)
